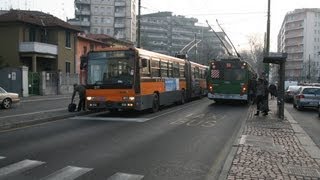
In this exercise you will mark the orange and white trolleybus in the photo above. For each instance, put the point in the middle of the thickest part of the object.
(137, 79)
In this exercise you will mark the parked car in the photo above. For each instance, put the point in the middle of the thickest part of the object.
(319, 109)
(290, 92)
(7, 98)
(307, 96)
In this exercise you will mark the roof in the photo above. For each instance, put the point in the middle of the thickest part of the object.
(37, 18)
(107, 38)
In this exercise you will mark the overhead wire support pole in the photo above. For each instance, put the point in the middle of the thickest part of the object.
(139, 24)
(219, 39)
(229, 39)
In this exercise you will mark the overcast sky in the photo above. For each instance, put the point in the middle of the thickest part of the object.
(239, 18)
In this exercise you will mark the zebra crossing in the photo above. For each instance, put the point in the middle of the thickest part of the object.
(66, 173)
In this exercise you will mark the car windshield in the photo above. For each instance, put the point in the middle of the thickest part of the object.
(293, 88)
(2, 90)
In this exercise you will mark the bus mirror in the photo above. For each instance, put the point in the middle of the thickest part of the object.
(144, 63)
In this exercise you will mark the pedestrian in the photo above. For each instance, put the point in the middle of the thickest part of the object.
(82, 96)
(260, 97)
(273, 90)
(252, 88)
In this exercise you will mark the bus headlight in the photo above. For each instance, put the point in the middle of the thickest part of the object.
(126, 98)
(89, 98)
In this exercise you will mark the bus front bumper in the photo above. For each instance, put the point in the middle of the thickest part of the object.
(227, 96)
(109, 105)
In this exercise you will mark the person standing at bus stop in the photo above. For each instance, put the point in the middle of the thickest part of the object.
(262, 90)
(82, 96)
(252, 89)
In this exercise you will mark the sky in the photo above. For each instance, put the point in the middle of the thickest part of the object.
(240, 19)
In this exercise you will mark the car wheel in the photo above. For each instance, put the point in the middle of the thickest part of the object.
(319, 111)
(294, 105)
(6, 103)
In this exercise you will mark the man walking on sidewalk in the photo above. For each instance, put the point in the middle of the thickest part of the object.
(82, 96)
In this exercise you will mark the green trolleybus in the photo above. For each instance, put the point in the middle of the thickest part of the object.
(228, 80)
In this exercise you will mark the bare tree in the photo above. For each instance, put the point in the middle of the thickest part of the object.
(256, 51)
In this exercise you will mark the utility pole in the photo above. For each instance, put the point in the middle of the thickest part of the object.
(267, 50)
(139, 24)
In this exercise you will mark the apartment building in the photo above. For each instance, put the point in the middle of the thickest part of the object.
(299, 37)
(116, 18)
(166, 33)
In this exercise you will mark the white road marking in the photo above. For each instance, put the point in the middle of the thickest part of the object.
(189, 115)
(38, 112)
(125, 176)
(1, 157)
(67, 173)
(111, 119)
(45, 99)
(19, 167)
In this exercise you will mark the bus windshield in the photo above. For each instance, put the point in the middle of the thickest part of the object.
(111, 68)
(234, 74)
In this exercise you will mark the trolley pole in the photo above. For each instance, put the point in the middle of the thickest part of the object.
(267, 50)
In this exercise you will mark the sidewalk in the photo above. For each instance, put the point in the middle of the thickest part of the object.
(269, 148)
(37, 109)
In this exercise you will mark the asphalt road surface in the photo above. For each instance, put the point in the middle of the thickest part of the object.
(185, 142)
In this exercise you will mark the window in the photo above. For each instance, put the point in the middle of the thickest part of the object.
(164, 68)
(145, 71)
(155, 68)
(68, 67)
(182, 70)
(68, 39)
(170, 69)
(176, 72)
(84, 50)
(32, 34)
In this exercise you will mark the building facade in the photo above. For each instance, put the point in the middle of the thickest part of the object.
(171, 34)
(299, 37)
(37, 40)
(116, 18)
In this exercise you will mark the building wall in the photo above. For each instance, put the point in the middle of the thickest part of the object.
(102, 17)
(9, 45)
(66, 54)
(299, 36)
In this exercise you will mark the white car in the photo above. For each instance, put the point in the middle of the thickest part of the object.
(7, 98)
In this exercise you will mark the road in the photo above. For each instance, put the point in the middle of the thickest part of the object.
(308, 120)
(186, 142)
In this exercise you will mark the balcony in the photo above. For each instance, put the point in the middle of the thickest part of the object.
(82, 1)
(120, 3)
(119, 25)
(38, 47)
(120, 14)
(80, 23)
(83, 12)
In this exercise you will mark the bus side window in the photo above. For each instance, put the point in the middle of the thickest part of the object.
(155, 68)
(170, 69)
(164, 68)
(145, 70)
(176, 71)
(182, 70)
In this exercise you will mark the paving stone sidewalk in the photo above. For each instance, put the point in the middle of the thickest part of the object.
(273, 149)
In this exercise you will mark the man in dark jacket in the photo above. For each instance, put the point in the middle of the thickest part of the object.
(82, 96)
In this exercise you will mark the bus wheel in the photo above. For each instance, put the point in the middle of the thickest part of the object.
(155, 103)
